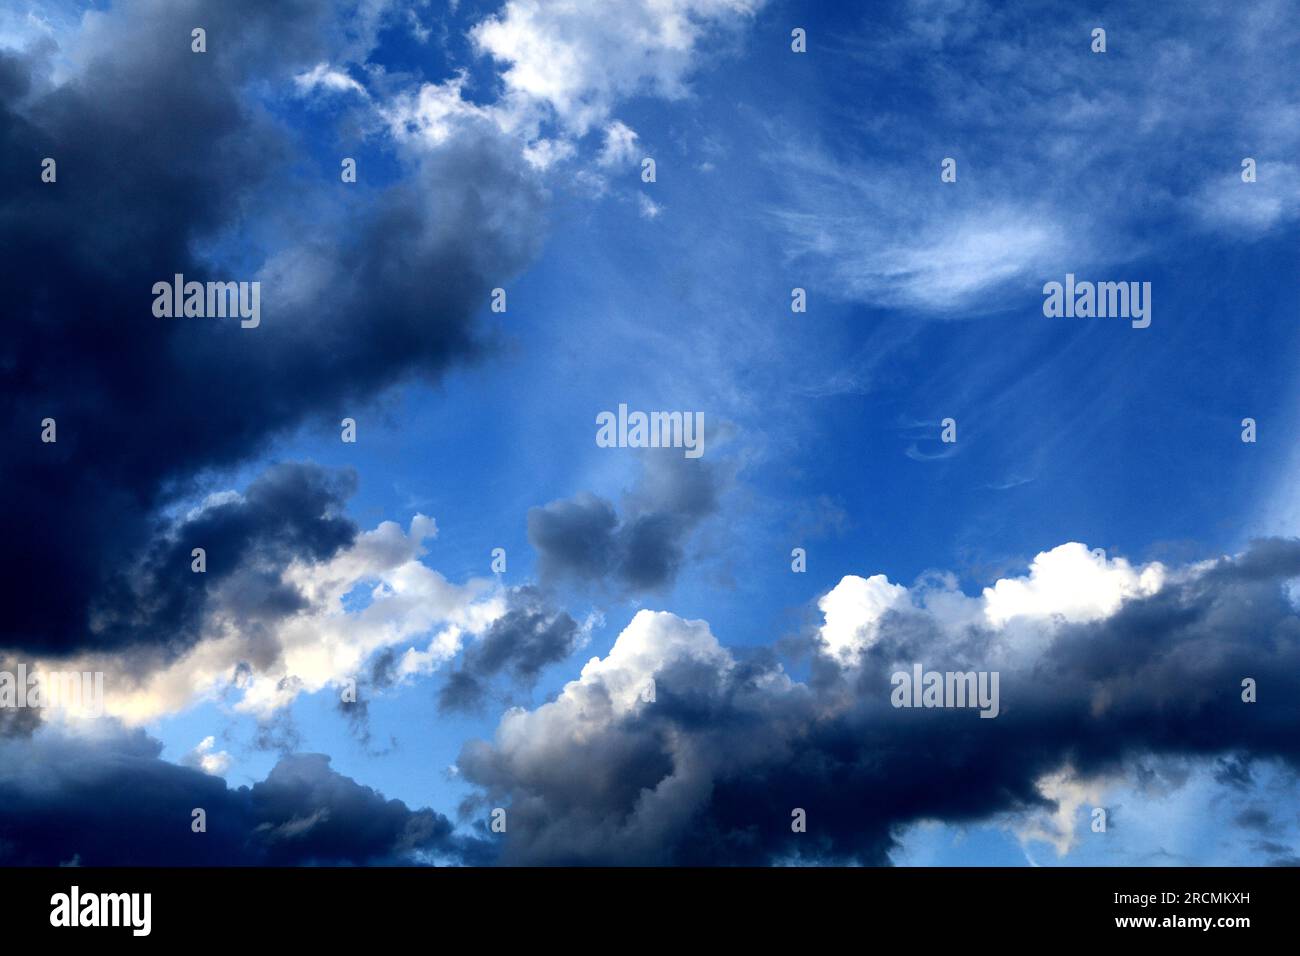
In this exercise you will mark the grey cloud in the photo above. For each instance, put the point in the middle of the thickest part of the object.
(114, 802)
(584, 538)
(528, 637)
(163, 153)
(709, 772)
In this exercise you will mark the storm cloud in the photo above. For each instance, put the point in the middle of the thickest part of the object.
(709, 768)
(168, 162)
(114, 802)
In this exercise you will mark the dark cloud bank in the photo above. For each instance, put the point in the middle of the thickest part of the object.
(161, 150)
(162, 153)
(708, 772)
(726, 754)
(118, 804)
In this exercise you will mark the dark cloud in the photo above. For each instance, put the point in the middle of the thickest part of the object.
(584, 539)
(1254, 818)
(709, 772)
(291, 511)
(169, 163)
(383, 674)
(520, 643)
(114, 802)
(279, 732)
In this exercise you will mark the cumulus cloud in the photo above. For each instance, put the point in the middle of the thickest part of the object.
(708, 768)
(207, 758)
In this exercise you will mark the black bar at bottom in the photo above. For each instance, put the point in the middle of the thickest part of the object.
(738, 905)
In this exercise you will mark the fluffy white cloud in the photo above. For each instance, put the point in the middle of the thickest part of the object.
(853, 609)
(1072, 583)
(567, 63)
(1068, 584)
(207, 758)
(620, 145)
(580, 58)
(432, 114)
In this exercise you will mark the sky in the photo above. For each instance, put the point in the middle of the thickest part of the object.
(839, 265)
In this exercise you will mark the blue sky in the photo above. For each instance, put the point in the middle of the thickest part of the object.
(774, 170)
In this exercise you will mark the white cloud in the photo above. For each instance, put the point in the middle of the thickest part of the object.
(1069, 793)
(1072, 583)
(545, 153)
(1068, 584)
(620, 145)
(1252, 208)
(433, 113)
(1060, 197)
(852, 611)
(850, 225)
(317, 648)
(648, 208)
(579, 59)
(324, 77)
(565, 62)
(207, 758)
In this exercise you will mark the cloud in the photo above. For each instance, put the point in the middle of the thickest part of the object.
(620, 145)
(647, 207)
(926, 254)
(207, 758)
(584, 538)
(852, 611)
(529, 636)
(164, 146)
(289, 512)
(1252, 209)
(579, 60)
(295, 600)
(1072, 583)
(323, 77)
(1013, 94)
(114, 802)
(708, 768)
